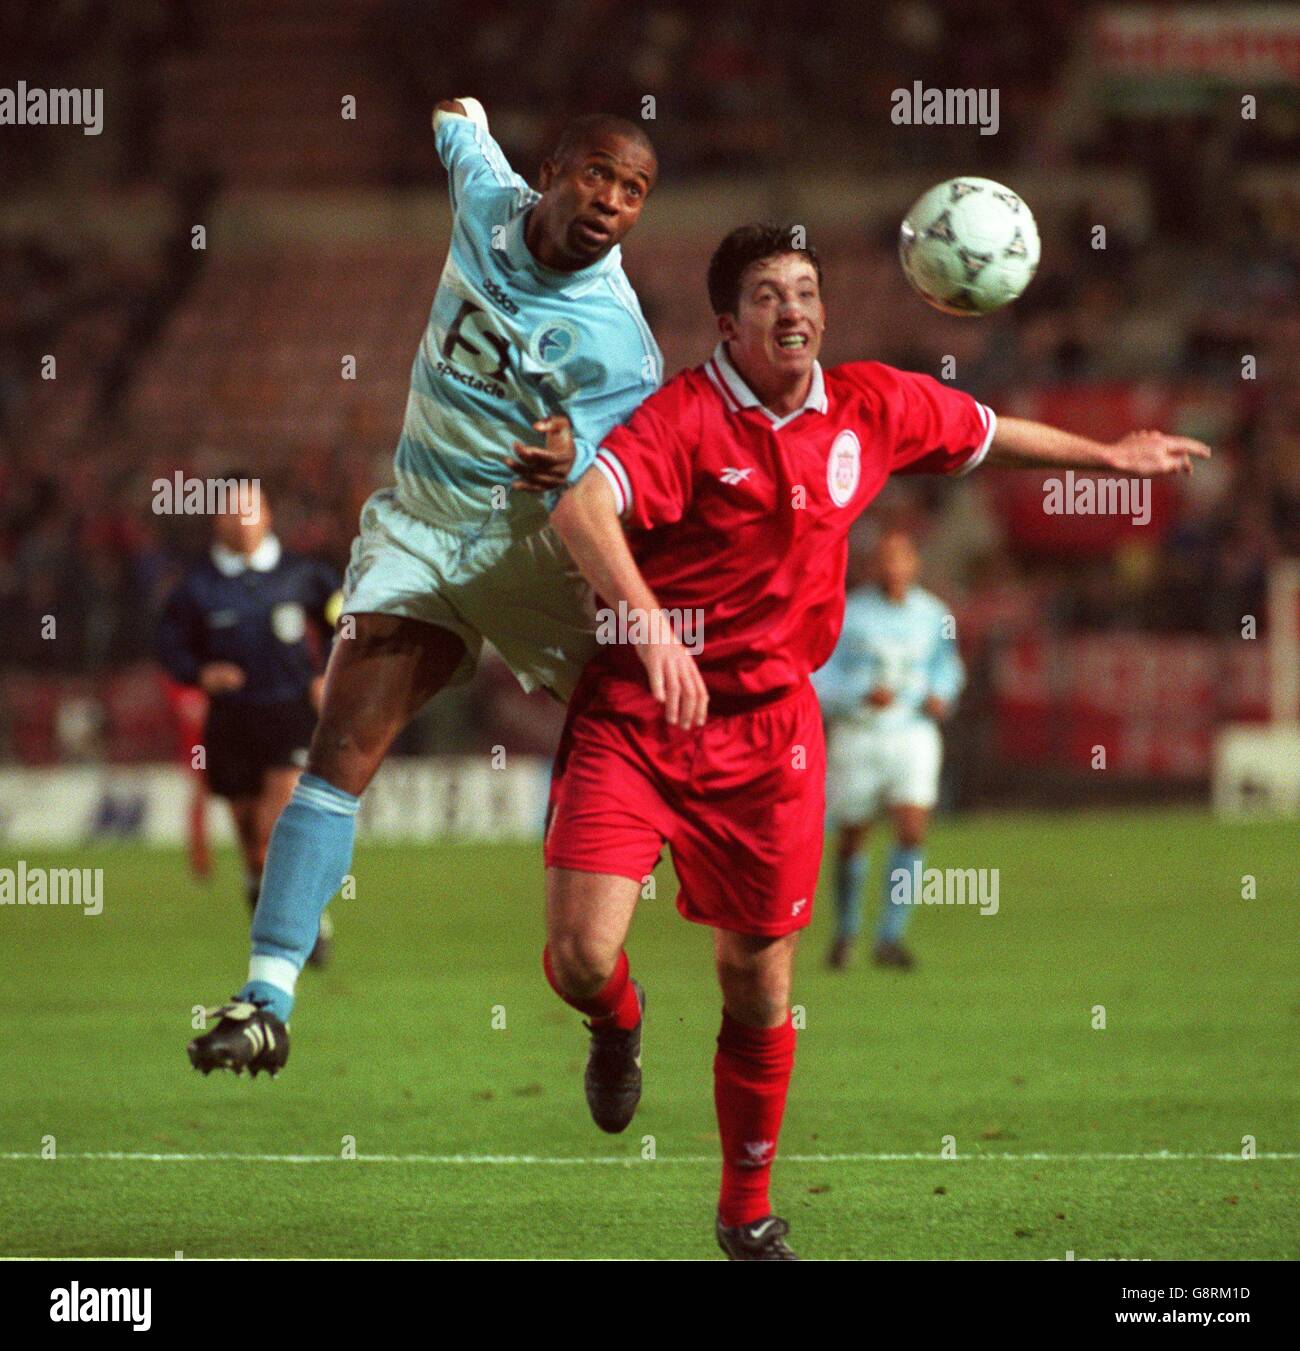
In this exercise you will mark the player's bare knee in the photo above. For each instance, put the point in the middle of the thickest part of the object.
(753, 993)
(347, 754)
(581, 963)
(910, 826)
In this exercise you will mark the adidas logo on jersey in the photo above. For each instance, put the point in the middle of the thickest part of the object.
(499, 296)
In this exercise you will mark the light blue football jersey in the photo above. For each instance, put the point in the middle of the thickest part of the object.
(508, 342)
(904, 647)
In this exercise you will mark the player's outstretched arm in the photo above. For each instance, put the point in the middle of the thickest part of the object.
(586, 520)
(480, 175)
(1021, 444)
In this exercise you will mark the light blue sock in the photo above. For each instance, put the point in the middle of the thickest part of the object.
(893, 914)
(850, 874)
(310, 853)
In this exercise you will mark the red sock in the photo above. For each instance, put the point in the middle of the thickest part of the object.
(751, 1076)
(615, 1002)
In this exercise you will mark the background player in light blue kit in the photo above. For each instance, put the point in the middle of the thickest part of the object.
(533, 315)
(893, 677)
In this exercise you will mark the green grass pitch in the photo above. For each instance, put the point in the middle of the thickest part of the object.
(473, 1138)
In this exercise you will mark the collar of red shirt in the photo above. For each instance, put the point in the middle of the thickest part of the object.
(728, 380)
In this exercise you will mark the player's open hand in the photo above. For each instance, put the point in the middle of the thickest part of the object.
(1152, 454)
(675, 680)
(541, 468)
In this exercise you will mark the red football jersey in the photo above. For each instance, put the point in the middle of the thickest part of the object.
(744, 516)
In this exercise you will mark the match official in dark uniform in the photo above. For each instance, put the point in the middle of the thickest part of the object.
(251, 626)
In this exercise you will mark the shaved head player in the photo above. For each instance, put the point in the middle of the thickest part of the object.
(731, 491)
(533, 314)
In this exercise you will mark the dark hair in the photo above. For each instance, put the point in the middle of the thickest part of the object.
(243, 474)
(746, 245)
(582, 131)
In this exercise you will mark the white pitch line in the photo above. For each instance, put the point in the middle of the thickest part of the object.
(515, 1160)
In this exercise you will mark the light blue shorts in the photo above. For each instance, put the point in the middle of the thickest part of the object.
(524, 596)
(869, 769)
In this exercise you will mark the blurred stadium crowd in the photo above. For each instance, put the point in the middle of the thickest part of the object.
(170, 357)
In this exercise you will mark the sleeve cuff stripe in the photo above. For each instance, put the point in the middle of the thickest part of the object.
(613, 467)
(990, 420)
(616, 477)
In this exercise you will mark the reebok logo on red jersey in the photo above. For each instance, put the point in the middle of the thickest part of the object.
(733, 476)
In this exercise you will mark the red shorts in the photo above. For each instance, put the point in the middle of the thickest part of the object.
(741, 802)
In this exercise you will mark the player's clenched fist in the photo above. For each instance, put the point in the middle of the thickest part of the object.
(1151, 454)
(675, 680)
(541, 468)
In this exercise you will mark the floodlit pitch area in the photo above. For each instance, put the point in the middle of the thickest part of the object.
(473, 1140)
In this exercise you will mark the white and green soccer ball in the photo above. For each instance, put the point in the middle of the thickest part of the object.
(969, 246)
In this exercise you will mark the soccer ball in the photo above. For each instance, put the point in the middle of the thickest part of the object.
(969, 246)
